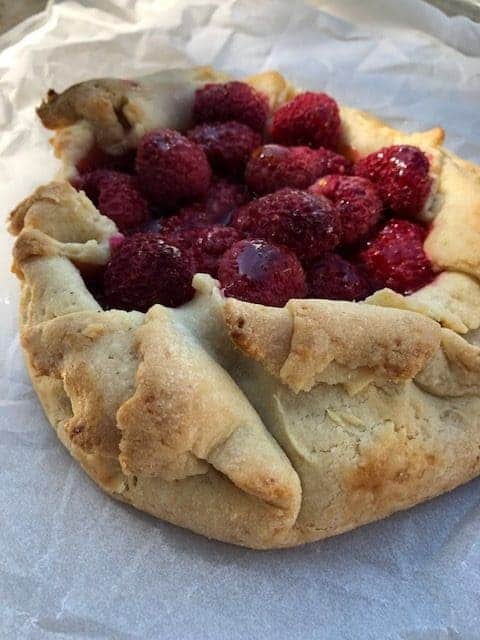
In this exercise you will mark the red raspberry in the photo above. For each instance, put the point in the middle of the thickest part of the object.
(154, 225)
(144, 270)
(222, 199)
(256, 271)
(122, 202)
(306, 224)
(395, 257)
(334, 278)
(231, 101)
(90, 182)
(311, 119)
(227, 145)
(171, 169)
(192, 217)
(205, 245)
(356, 201)
(272, 167)
(117, 196)
(401, 174)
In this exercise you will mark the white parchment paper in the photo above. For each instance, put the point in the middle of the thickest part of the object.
(75, 564)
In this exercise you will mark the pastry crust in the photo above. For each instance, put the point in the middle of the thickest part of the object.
(259, 426)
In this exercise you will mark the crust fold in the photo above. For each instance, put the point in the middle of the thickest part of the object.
(118, 112)
(314, 341)
(181, 416)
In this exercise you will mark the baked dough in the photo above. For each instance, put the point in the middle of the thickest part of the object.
(259, 426)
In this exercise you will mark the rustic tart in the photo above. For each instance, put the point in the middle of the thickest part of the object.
(250, 311)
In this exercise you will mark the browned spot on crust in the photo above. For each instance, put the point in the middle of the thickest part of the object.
(368, 476)
(393, 464)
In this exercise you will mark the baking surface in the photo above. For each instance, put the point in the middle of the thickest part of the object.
(75, 564)
(11, 13)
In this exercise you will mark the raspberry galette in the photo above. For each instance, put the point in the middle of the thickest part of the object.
(250, 311)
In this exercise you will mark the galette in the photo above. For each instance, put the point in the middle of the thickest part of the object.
(251, 311)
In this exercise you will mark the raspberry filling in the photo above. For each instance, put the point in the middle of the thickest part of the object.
(357, 205)
(145, 270)
(307, 224)
(270, 210)
(311, 119)
(395, 257)
(335, 278)
(227, 145)
(205, 245)
(273, 166)
(261, 272)
(231, 101)
(402, 176)
(171, 169)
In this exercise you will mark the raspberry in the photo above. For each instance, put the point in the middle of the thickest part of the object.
(306, 224)
(272, 167)
(191, 217)
(401, 174)
(121, 201)
(144, 270)
(117, 196)
(395, 257)
(334, 278)
(222, 199)
(231, 101)
(256, 271)
(205, 245)
(356, 201)
(227, 145)
(90, 182)
(170, 168)
(311, 119)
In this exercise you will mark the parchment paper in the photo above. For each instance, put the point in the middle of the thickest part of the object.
(74, 563)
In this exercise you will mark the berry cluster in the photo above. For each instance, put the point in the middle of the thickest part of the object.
(263, 202)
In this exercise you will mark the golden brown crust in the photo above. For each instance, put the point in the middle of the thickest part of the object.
(454, 370)
(259, 426)
(263, 333)
(361, 457)
(62, 213)
(452, 299)
(113, 114)
(454, 241)
(101, 99)
(56, 220)
(76, 348)
(313, 341)
(180, 418)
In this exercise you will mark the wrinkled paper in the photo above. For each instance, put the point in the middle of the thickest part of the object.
(76, 564)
